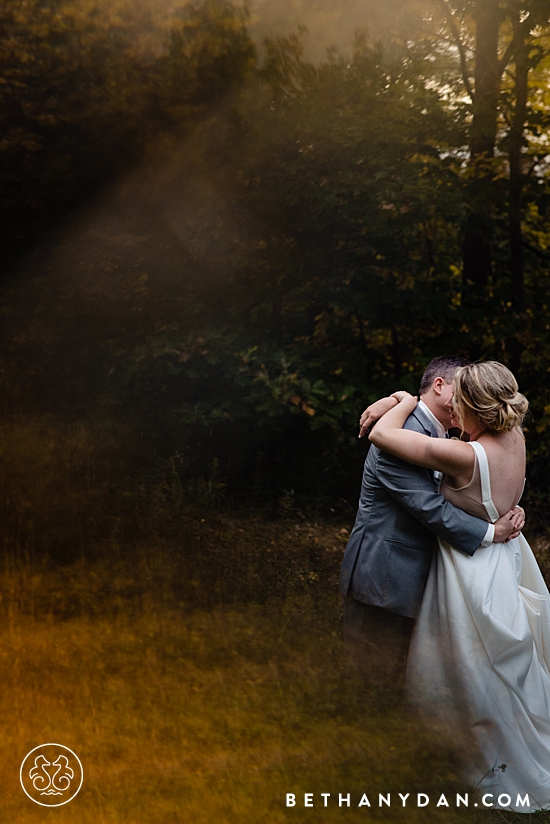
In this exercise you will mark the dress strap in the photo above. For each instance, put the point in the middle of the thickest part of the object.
(483, 464)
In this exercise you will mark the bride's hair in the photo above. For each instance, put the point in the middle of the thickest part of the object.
(490, 392)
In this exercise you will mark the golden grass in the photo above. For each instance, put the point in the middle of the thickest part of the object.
(192, 660)
(188, 715)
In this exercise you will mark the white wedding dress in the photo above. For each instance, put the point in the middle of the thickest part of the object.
(479, 662)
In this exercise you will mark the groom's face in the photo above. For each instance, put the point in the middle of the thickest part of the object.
(446, 391)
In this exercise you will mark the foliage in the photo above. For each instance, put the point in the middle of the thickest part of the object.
(333, 269)
(210, 51)
(83, 84)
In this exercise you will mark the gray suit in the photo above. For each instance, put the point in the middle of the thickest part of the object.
(400, 511)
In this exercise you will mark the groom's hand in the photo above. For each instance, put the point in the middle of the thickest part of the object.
(510, 525)
(373, 412)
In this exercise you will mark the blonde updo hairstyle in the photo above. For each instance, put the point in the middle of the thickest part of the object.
(490, 393)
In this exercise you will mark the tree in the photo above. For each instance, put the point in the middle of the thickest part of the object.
(210, 51)
(77, 90)
(505, 33)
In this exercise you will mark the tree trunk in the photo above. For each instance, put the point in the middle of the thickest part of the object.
(488, 73)
(517, 178)
(516, 184)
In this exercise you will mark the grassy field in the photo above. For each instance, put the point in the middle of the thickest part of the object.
(184, 714)
(191, 656)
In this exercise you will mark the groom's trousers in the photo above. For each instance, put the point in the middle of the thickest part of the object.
(377, 643)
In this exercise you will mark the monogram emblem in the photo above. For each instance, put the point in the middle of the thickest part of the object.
(51, 775)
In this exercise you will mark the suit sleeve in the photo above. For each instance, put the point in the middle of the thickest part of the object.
(413, 488)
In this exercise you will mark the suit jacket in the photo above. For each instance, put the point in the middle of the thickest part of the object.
(400, 511)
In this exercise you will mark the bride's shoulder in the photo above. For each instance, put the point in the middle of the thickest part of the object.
(504, 443)
(514, 437)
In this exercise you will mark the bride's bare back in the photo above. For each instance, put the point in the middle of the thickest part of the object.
(506, 459)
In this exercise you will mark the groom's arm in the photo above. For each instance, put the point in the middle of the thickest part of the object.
(413, 488)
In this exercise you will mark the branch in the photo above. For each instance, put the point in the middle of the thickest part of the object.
(507, 56)
(460, 45)
(536, 251)
(537, 162)
(540, 253)
(520, 29)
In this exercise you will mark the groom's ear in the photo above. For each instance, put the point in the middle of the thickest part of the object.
(438, 385)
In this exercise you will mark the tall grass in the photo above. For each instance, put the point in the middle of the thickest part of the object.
(191, 658)
(183, 714)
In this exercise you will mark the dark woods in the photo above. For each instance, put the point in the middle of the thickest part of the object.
(84, 84)
(298, 238)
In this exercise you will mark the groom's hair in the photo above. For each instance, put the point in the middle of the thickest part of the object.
(442, 367)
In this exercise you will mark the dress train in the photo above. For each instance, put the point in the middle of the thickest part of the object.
(479, 663)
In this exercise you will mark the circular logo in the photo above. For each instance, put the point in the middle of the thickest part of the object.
(51, 775)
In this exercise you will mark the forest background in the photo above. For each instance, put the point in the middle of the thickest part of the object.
(226, 230)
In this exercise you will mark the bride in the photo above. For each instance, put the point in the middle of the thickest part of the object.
(480, 656)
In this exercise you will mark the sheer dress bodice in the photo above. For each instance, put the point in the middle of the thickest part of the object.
(507, 487)
(469, 497)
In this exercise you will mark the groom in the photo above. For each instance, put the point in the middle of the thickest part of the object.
(401, 511)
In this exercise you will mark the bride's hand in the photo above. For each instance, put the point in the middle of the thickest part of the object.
(518, 521)
(379, 408)
(509, 525)
(404, 396)
(374, 412)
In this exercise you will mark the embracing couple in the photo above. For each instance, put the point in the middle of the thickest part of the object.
(470, 619)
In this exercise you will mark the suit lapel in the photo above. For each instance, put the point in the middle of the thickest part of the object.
(429, 428)
(425, 422)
